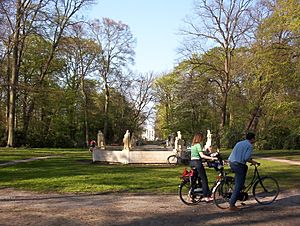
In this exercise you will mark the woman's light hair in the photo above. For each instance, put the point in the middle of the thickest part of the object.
(198, 138)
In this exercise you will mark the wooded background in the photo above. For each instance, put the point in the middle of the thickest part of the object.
(63, 78)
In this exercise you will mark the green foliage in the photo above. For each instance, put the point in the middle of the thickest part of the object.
(262, 89)
(279, 137)
(231, 136)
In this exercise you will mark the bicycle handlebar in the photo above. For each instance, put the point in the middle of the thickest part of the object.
(256, 165)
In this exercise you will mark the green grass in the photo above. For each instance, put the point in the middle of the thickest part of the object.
(72, 171)
(280, 154)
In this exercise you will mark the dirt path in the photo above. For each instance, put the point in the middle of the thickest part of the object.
(28, 208)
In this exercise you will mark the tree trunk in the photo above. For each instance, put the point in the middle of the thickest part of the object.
(85, 107)
(14, 78)
(224, 110)
(8, 87)
(106, 106)
(252, 125)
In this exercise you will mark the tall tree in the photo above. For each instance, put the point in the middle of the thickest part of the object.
(222, 24)
(49, 19)
(80, 54)
(25, 14)
(140, 92)
(117, 44)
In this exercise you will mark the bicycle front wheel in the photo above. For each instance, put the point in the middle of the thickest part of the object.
(266, 190)
(173, 160)
(187, 196)
(222, 193)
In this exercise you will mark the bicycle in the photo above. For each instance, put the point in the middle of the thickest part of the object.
(179, 157)
(265, 190)
(190, 188)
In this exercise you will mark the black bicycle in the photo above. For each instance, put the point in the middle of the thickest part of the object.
(190, 188)
(180, 157)
(265, 189)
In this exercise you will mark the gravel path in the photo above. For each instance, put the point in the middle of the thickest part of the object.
(39, 209)
(28, 208)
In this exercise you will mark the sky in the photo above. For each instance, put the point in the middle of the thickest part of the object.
(154, 23)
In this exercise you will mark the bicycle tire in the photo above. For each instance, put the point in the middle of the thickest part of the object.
(173, 160)
(265, 190)
(185, 195)
(222, 192)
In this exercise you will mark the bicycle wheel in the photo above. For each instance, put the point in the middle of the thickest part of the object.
(266, 190)
(187, 196)
(173, 160)
(222, 192)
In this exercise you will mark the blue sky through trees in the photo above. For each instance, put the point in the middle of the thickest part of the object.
(155, 24)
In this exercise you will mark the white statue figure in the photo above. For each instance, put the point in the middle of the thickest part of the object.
(179, 135)
(208, 140)
(126, 141)
(100, 140)
(178, 142)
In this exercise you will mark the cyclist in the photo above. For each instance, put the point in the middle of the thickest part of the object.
(240, 155)
(197, 155)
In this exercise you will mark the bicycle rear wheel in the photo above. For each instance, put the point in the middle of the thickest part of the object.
(222, 193)
(187, 196)
(265, 190)
(173, 160)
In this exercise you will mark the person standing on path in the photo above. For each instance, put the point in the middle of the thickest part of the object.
(240, 155)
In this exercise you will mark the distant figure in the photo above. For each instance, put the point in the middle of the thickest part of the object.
(92, 145)
(179, 135)
(176, 144)
(126, 141)
(171, 140)
(178, 141)
(132, 141)
(100, 140)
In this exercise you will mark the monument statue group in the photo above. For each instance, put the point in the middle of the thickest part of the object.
(130, 153)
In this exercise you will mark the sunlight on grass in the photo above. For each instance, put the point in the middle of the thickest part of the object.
(72, 171)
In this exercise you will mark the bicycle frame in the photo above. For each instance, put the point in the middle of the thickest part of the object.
(255, 177)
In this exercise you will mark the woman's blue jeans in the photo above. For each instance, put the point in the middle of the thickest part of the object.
(202, 173)
(240, 171)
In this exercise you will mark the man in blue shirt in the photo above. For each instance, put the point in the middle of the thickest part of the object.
(240, 155)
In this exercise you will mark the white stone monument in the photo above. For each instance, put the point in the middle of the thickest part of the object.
(126, 141)
(208, 140)
(100, 140)
(178, 142)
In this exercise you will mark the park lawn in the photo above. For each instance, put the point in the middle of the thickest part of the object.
(72, 171)
(280, 154)
(11, 154)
